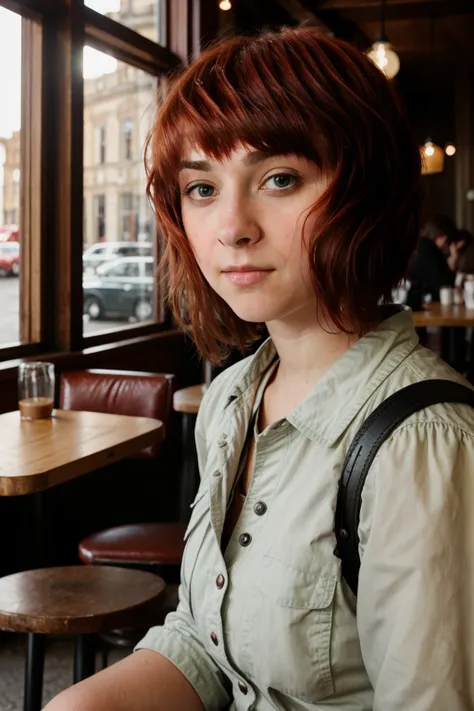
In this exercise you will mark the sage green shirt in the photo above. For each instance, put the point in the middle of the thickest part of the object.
(271, 625)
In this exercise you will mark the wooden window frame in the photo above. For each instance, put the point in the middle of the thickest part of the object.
(54, 33)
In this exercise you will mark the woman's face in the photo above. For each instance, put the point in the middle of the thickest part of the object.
(245, 220)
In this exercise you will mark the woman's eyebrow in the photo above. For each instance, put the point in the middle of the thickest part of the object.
(249, 159)
(195, 165)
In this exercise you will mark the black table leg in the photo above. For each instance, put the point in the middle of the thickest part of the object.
(190, 471)
(35, 647)
(84, 656)
(453, 347)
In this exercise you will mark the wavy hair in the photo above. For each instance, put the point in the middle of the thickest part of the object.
(294, 91)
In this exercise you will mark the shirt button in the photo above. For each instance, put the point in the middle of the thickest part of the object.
(216, 473)
(220, 580)
(260, 508)
(243, 687)
(214, 639)
(245, 539)
(222, 442)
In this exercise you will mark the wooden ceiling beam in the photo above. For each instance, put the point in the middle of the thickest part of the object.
(330, 21)
(369, 10)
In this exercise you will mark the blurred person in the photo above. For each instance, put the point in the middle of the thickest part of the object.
(286, 184)
(435, 259)
(465, 263)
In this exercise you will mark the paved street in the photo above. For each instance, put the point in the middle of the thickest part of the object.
(10, 308)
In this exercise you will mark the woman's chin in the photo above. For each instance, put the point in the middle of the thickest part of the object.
(255, 314)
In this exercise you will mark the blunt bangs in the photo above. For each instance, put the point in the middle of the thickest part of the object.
(300, 92)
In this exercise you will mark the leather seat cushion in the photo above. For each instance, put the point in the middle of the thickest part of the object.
(159, 543)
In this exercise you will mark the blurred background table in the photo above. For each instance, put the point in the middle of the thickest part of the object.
(455, 344)
(435, 314)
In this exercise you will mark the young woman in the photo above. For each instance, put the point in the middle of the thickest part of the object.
(286, 185)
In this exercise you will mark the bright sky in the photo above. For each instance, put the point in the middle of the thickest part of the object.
(95, 64)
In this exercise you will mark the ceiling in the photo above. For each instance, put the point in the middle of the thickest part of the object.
(434, 38)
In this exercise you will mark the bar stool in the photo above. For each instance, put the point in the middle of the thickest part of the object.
(79, 600)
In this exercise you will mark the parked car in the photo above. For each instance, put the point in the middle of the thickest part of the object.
(9, 259)
(103, 252)
(120, 289)
(9, 233)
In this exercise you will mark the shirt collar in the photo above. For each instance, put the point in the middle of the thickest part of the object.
(327, 411)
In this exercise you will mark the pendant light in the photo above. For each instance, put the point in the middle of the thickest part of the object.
(432, 158)
(432, 155)
(381, 52)
(225, 5)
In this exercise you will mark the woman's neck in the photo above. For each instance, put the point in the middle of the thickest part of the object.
(306, 354)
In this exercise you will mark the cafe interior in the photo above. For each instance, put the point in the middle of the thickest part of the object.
(99, 387)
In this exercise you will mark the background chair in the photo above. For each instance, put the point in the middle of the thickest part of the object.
(146, 538)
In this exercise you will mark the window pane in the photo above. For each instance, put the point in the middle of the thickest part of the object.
(118, 254)
(143, 16)
(10, 175)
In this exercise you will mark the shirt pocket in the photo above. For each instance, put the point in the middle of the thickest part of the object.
(291, 630)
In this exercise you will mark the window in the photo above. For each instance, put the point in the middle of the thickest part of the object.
(128, 217)
(107, 112)
(10, 176)
(100, 145)
(99, 217)
(121, 214)
(127, 130)
(143, 16)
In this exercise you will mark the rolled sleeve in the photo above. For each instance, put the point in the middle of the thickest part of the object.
(179, 642)
(416, 586)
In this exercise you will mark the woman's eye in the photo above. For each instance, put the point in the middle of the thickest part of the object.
(281, 181)
(200, 191)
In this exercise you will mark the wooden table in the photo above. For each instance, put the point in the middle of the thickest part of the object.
(453, 320)
(187, 401)
(39, 454)
(435, 314)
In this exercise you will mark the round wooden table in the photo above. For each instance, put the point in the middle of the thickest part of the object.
(187, 402)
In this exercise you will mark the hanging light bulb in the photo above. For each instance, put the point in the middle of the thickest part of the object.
(225, 5)
(385, 58)
(450, 149)
(432, 158)
(381, 52)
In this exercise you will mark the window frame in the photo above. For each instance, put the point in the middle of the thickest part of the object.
(53, 35)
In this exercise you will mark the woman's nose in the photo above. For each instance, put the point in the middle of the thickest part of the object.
(238, 227)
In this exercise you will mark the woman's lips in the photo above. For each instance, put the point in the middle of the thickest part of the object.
(247, 278)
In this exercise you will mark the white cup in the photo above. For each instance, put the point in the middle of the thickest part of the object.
(469, 293)
(446, 295)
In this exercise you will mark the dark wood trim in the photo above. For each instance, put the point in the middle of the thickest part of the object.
(85, 357)
(127, 332)
(24, 350)
(31, 146)
(63, 67)
(366, 11)
(33, 9)
(106, 35)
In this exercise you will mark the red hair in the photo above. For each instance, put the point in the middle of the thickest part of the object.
(294, 91)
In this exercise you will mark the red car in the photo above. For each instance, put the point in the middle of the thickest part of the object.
(9, 259)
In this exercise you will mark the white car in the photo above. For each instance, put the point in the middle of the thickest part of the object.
(102, 252)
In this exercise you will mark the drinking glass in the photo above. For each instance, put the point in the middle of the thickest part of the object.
(36, 390)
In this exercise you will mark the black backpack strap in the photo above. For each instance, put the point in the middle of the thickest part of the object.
(362, 452)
